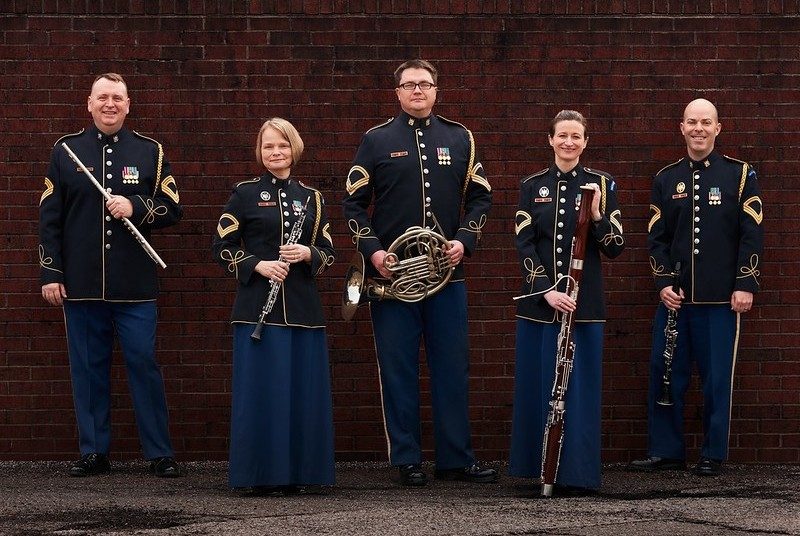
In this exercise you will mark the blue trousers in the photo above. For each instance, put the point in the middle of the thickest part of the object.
(708, 336)
(441, 320)
(91, 326)
(536, 348)
(281, 413)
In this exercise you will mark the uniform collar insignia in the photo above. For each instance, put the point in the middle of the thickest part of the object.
(415, 122)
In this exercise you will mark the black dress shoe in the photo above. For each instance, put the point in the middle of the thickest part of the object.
(165, 467)
(654, 463)
(90, 464)
(412, 475)
(474, 473)
(707, 467)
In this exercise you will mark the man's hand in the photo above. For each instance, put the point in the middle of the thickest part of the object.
(741, 301)
(120, 207)
(54, 293)
(670, 299)
(455, 252)
(377, 261)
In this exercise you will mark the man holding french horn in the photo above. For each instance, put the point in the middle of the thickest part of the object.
(105, 189)
(429, 200)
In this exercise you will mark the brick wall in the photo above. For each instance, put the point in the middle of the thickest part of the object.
(203, 75)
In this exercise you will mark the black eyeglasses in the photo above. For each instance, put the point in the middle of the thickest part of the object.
(411, 86)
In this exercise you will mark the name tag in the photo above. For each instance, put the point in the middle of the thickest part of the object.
(680, 196)
(267, 203)
(79, 170)
(398, 153)
(542, 199)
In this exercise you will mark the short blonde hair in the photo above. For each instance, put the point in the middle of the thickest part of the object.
(288, 131)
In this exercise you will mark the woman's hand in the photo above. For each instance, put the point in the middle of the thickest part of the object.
(293, 253)
(595, 209)
(273, 270)
(560, 301)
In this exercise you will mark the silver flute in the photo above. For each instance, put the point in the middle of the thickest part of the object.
(131, 227)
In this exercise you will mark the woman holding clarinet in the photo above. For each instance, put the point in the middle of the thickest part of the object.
(552, 305)
(274, 238)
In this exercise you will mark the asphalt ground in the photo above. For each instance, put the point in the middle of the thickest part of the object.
(39, 498)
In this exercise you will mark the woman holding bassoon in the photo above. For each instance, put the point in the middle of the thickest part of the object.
(545, 225)
(274, 238)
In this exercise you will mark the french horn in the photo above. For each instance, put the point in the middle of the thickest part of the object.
(420, 268)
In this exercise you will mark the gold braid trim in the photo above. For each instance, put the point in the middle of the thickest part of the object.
(48, 189)
(317, 200)
(756, 213)
(657, 270)
(654, 218)
(526, 220)
(234, 260)
(741, 181)
(358, 234)
(533, 271)
(471, 163)
(750, 271)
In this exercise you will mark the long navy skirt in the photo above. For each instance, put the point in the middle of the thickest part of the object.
(281, 413)
(533, 384)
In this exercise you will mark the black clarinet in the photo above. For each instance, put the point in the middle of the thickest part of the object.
(671, 340)
(275, 286)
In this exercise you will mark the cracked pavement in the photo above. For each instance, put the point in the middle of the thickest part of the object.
(38, 498)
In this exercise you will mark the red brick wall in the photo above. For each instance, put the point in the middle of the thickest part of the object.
(204, 74)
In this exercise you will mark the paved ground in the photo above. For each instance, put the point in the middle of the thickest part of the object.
(39, 499)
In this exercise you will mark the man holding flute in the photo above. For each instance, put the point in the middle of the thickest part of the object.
(102, 274)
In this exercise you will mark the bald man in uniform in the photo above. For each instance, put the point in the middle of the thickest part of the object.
(706, 214)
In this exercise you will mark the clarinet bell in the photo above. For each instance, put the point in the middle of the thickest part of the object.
(666, 396)
(256, 335)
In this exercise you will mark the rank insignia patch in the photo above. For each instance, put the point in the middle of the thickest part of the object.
(444, 155)
(130, 175)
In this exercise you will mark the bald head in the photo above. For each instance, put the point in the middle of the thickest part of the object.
(700, 127)
(700, 107)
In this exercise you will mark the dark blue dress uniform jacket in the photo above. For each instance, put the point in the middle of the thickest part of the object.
(81, 245)
(416, 169)
(545, 225)
(256, 221)
(707, 215)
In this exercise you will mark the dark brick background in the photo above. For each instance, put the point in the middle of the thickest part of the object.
(203, 75)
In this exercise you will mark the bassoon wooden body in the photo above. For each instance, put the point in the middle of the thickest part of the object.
(565, 355)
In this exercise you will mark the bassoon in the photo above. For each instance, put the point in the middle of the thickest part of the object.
(274, 285)
(670, 341)
(565, 354)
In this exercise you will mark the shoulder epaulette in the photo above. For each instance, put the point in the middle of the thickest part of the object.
(58, 141)
(451, 122)
(380, 125)
(597, 172)
(142, 136)
(301, 183)
(248, 181)
(669, 166)
(537, 174)
(726, 157)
